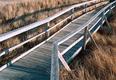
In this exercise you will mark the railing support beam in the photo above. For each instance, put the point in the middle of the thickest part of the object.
(108, 24)
(65, 64)
(85, 39)
(48, 26)
(91, 37)
(72, 12)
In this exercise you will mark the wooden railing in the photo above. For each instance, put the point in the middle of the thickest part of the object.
(89, 30)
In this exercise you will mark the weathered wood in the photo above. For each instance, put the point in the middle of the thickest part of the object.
(55, 64)
(65, 64)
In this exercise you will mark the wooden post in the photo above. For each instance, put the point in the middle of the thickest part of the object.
(85, 38)
(72, 13)
(48, 25)
(85, 8)
(46, 30)
(95, 4)
(55, 63)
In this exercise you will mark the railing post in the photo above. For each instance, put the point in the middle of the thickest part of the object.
(46, 29)
(85, 38)
(95, 4)
(54, 63)
(102, 17)
(48, 25)
(85, 8)
(108, 24)
(72, 13)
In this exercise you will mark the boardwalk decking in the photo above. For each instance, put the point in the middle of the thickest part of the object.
(37, 64)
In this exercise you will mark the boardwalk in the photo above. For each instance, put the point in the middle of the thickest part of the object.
(37, 64)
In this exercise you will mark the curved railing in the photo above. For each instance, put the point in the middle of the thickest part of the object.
(101, 17)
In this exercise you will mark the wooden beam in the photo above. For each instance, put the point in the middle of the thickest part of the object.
(65, 64)
(85, 38)
(108, 24)
(55, 64)
(90, 35)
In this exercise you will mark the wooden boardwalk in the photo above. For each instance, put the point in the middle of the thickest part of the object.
(37, 64)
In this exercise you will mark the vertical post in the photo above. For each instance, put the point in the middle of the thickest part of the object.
(95, 4)
(54, 63)
(72, 13)
(85, 38)
(46, 30)
(107, 21)
(102, 17)
(48, 25)
(85, 8)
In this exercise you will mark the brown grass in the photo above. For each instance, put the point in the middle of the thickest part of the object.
(96, 65)
(15, 14)
(17, 8)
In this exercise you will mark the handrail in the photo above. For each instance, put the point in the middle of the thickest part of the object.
(18, 31)
(60, 41)
(101, 15)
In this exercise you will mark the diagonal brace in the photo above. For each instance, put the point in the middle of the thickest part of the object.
(63, 61)
(86, 35)
(90, 35)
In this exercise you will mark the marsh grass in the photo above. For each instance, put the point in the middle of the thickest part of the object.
(96, 64)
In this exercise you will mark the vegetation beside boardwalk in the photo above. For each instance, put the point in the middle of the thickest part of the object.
(96, 64)
(15, 12)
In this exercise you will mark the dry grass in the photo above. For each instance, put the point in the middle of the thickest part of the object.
(16, 8)
(15, 14)
(96, 65)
